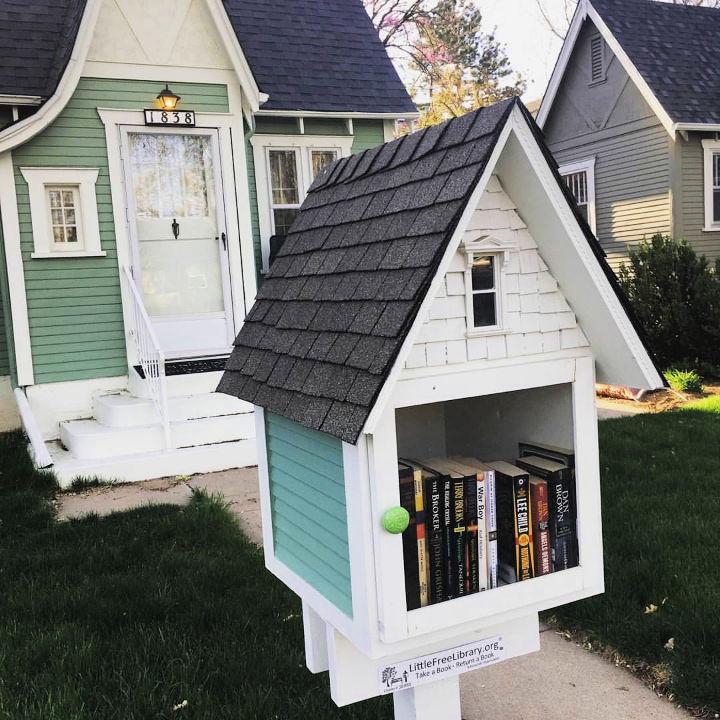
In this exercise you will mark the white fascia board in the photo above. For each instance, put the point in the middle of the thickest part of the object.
(21, 132)
(611, 304)
(584, 11)
(562, 62)
(237, 57)
(339, 115)
(384, 397)
(20, 99)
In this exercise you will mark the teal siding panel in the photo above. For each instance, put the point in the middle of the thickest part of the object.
(309, 513)
(71, 337)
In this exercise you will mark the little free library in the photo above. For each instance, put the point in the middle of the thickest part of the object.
(421, 359)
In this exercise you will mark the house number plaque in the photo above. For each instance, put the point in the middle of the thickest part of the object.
(179, 118)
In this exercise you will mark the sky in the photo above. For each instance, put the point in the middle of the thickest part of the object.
(531, 46)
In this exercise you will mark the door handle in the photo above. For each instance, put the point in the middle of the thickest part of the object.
(175, 228)
(223, 237)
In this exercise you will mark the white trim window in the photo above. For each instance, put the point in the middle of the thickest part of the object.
(285, 166)
(711, 152)
(486, 257)
(580, 179)
(63, 209)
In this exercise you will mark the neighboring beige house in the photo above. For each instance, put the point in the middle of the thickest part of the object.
(632, 116)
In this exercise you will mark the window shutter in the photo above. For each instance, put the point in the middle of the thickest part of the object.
(597, 69)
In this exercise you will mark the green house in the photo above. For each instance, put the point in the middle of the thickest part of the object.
(152, 159)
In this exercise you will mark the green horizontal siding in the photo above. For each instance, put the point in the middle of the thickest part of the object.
(74, 306)
(5, 322)
(309, 514)
(368, 134)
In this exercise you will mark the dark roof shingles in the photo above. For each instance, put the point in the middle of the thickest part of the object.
(350, 300)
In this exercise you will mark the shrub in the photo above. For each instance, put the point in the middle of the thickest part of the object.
(676, 295)
(684, 380)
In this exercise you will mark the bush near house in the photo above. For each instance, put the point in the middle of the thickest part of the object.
(684, 380)
(676, 295)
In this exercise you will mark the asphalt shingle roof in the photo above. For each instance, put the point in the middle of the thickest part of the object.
(674, 48)
(315, 55)
(37, 40)
(321, 55)
(344, 290)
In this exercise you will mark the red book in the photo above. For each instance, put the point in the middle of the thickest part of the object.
(540, 511)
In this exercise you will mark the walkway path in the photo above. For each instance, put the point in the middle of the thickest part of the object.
(561, 681)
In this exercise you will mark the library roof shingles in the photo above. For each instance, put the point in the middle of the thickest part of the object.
(673, 47)
(343, 292)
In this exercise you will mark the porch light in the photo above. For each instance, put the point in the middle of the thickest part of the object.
(168, 98)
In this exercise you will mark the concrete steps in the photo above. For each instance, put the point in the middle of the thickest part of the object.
(124, 440)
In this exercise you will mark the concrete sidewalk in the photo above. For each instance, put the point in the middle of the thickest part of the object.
(561, 681)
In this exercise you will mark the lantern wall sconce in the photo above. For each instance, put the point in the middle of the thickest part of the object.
(168, 99)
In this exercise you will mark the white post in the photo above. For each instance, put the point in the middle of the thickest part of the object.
(435, 700)
(316, 649)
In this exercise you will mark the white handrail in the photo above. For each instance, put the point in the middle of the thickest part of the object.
(150, 355)
(39, 449)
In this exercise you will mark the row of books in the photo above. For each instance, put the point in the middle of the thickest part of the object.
(475, 526)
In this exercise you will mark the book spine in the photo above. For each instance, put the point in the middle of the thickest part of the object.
(409, 542)
(459, 537)
(541, 527)
(472, 524)
(491, 522)
(524, 551)
(448, 539)
(434, 539)
(563, 520)
(421, 538)
(481, 541)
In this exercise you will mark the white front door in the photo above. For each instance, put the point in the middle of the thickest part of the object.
(177, 223)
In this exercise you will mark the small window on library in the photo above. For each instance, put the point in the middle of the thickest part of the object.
(578, 184)
(284, 189)
(320, 158)
(64, 206)
(483, 274)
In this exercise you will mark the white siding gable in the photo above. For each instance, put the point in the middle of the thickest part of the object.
(538, 319)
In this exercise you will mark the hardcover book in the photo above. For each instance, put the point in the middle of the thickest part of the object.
(406, 475)
(456, 532)
(541, 525)
(514, 518)
(562, 507)
(434, 529)
(476, 546)
(549, 452)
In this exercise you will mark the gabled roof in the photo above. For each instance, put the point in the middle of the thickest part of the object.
(341, 297)
(668, 50)
(342, 294)
(312, 55)
(37, 40)
(318, 55)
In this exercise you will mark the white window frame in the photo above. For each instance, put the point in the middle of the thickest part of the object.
(303, 145)
(82, 181)
(500, 250)
(710, 149)
(588, 167)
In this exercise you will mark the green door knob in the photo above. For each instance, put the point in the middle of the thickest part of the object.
(396, 520)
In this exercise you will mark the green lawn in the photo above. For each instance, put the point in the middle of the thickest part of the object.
(128, 616)
(661, 517)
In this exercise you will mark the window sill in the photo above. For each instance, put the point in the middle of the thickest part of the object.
(712, 228)
(56, 255)
(484, 332)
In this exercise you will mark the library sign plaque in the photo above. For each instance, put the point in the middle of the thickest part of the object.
(439, 665)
